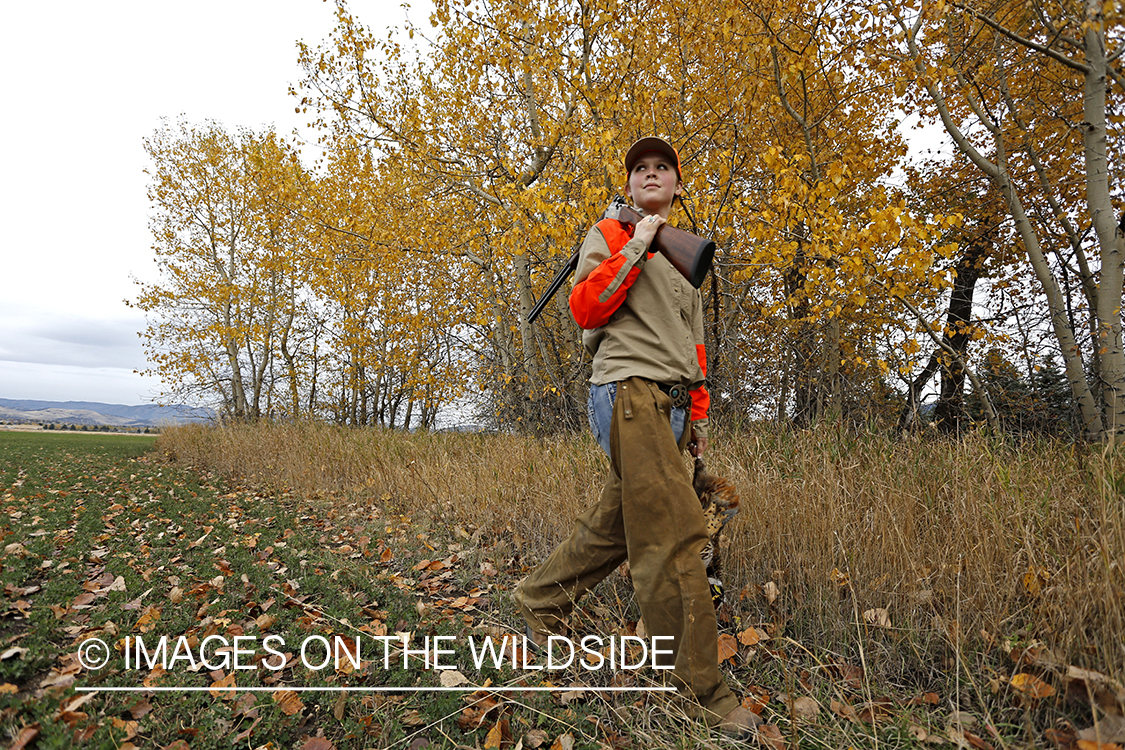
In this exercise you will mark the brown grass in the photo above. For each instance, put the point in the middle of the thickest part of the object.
(966, 544)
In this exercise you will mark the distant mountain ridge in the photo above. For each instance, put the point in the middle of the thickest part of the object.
(97, 413)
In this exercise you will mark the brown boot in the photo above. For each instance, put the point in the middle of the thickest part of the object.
(740, 724)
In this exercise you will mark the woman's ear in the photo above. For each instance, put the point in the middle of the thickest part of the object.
(679, 188)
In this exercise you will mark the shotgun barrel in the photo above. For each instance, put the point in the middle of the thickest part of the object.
(557, 282)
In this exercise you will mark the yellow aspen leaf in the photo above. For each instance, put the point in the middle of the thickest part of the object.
(1031, 686)
(1035, 580)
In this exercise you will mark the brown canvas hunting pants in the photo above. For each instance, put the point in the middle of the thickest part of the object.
(648, 514)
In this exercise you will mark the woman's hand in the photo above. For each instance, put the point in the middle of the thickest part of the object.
(698, 445)
(647, 227)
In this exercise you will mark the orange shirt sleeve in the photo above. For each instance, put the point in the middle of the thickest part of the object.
(700, 398)
(597, 295)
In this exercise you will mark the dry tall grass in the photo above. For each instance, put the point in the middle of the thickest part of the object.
(965, 544)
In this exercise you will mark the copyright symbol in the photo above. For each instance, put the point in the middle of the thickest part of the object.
(93, 654)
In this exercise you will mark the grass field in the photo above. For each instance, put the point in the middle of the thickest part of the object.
(880, 594)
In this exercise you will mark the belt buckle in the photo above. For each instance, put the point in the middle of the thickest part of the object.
(680, 395)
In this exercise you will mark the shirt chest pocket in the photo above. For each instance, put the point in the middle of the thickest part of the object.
(681, 295)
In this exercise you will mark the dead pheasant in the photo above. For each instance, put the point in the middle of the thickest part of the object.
(720, 503)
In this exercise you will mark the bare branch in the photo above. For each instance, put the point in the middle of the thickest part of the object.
(1053, 54)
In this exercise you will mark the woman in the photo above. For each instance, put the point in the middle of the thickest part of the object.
(643, 324)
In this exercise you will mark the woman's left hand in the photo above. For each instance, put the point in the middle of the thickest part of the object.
(699, 444)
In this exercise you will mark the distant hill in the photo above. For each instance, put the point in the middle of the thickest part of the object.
(96, 413)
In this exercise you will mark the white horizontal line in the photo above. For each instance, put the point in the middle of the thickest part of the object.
(489, 689)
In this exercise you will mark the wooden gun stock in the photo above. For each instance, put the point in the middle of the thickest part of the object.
(688, 254)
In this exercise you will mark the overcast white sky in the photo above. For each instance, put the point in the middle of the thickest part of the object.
(84, 83)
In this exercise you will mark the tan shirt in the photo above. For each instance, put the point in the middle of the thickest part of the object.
(654, 333)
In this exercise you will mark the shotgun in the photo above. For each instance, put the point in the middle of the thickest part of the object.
(688, 254)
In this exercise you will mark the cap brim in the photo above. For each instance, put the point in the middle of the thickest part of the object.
(652, 143)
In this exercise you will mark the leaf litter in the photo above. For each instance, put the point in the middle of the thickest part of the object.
(134, 547)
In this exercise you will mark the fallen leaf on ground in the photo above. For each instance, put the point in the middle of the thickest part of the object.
(499, 736)
(225, 682)
(849, 673)
(770, 736)
(413, 718)
(534, 739)
(452, 678)
(1110, 729)
(473, 716)
(129, 727)
(728, 648)
(918, 732)
(1062, 737)
(752, 637)
(843, 710)
(977, 742)
(878, 617)
(1031, 686)
(148, 619)
(757, 700)
(27, 735)
(1095, 688)
(1035, 580)
(806, 708)
(288, 701)
(879, 709)
(572, 695)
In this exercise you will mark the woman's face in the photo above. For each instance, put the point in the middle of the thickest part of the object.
(653, 183)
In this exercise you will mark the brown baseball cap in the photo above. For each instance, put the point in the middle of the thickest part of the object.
(652, 143)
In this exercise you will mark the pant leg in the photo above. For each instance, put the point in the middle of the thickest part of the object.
(648, 512)
(595, 547)
(665, 533)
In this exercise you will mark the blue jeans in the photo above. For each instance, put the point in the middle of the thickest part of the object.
(599, 410)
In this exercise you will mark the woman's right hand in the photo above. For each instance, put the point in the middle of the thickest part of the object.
(647, 227)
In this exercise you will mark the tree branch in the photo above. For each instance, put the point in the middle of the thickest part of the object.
(1048, 51)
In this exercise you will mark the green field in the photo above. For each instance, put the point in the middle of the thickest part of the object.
(102, 541)
(309, 534)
